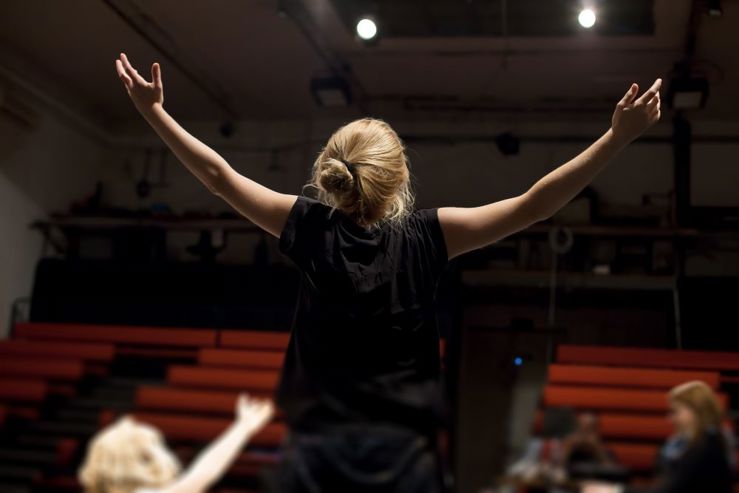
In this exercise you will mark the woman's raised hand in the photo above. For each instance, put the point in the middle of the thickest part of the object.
(254, 412)
(144, 94)
(634, 116)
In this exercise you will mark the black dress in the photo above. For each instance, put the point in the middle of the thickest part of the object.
(360, 386)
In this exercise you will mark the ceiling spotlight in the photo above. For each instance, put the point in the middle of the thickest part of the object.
(366, 29)
(586, 18)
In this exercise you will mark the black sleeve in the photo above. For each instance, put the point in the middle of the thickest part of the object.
(302, 229)
(431, 239)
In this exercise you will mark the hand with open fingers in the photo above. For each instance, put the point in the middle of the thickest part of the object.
(144, 94)
(254, 412)
(633, 116)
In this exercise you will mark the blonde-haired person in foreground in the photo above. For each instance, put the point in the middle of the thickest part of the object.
(132, 457)
(699, 456)
(361, 380)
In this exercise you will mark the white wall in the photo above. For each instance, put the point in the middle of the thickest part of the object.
(43, 168)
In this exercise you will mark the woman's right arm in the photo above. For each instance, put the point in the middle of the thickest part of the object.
(212, 462)
(266, 208)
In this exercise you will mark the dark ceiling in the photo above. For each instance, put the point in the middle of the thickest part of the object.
(242, 58)
(489, 18)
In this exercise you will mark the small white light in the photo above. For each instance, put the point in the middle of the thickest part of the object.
(586, 18)
(366, 29)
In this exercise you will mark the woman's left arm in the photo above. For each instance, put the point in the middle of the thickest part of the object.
(469, 228)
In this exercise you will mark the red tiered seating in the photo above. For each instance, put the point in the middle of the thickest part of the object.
(149, 336)
(60, 350)
(58, 370)
(274, 341)
(188, 401)
(627, 388)
(627, 377)
(608, 399)
(43, 358)
(648, 358)
(268, 360)
(22, 390)
(198, 401)
(220, 378)
(138, 341)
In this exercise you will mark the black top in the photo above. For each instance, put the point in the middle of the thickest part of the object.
(703, 467)
(364, 346)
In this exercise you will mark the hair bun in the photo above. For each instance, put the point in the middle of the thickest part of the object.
(335, 177)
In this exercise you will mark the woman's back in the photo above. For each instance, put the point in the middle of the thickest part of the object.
(365, 344)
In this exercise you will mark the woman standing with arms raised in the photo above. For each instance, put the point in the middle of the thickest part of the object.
(360, 384)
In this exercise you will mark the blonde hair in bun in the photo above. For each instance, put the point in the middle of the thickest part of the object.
(363, 170)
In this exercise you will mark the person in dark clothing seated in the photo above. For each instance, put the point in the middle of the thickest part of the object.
(585, 444)
(698, 458)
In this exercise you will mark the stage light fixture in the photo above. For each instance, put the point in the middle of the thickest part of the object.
(508, 144)
(587, 18)
(366, 29)
(714, 8)
(688, 93)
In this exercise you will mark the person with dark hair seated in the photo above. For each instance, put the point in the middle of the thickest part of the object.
(583, 450)
(698, 458)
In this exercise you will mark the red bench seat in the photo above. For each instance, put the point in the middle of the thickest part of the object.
(219, 378)
(269, 359)
(627, 377)
(599, 399)
(146, 336)
(651, 358)
(250, 339)
(60, 350)
(51, 369)
(22, 390)
(190, 401)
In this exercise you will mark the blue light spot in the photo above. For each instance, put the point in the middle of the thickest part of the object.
(518, 361)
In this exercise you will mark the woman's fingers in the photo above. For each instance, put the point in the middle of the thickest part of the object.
(654, 107)
(651, 93)
(654, 102)
(629, 96)
(122, 74)
(132, 73)
(156, 75)
(656, 116)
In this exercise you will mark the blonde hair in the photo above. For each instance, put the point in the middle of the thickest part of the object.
(125, 456)
(364, 171)
(699, 397)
